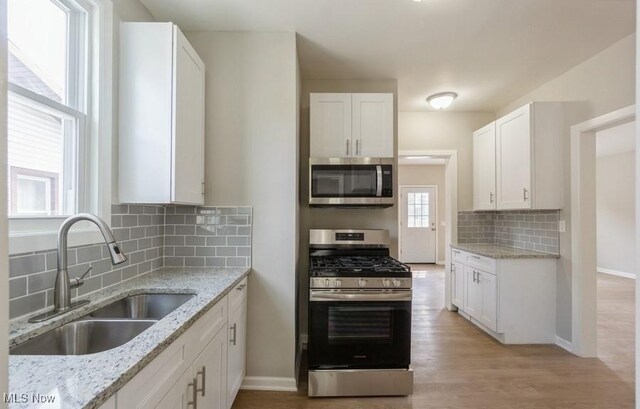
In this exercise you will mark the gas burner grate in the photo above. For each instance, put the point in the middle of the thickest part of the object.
(357, 265)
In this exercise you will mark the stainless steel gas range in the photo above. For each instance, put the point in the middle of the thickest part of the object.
(359, 316)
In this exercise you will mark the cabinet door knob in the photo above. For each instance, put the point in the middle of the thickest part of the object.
(525, 194)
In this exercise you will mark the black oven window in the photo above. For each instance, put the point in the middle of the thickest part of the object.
(349, 325)
(344, 181)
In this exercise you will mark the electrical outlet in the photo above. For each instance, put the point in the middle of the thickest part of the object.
(562, 227)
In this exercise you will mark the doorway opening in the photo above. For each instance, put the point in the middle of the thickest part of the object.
(615, 241)
(423, 169)
(597, 298)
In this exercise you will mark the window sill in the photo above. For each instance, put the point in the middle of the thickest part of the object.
(28, 235)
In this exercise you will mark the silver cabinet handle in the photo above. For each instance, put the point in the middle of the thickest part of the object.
(357, 147)
(456, 252)
(476, 257)
(241, 287)
(490, 197)
(233, 328)
(453, 268)
(202, 372)
(347, 147)
(478, 279)
(525, 194)
(194, 396)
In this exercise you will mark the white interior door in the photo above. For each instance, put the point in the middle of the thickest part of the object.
(418, 238)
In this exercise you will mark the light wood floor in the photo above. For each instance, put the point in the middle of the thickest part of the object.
(458, 366)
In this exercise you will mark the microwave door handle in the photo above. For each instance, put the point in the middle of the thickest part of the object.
(379, 180)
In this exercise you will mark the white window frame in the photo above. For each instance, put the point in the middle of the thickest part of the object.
(36, 233)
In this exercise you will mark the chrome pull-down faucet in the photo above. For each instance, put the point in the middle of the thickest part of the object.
(63, 284)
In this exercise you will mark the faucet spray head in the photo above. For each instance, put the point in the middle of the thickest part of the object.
(117, 255)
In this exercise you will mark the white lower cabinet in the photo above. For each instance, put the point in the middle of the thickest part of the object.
(514, 300)
(489, 305)
(237, 348)
(457, 284)
(201, 368)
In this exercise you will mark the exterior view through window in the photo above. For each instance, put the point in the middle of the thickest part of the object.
(46, 105)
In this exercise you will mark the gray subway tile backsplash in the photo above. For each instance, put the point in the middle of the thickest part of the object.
(152, 236)
(526, 229)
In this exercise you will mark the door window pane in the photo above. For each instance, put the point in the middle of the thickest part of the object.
(38, 47)
(417, 210)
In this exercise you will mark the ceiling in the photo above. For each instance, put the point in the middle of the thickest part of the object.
(490, 52)
(619, 139)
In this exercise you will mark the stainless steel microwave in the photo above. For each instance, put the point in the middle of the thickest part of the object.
(351, 182)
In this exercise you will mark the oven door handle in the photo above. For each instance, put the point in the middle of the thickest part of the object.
(379, 181)
(323, 295)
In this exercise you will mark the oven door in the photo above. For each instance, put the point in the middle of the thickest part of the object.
(356, 330)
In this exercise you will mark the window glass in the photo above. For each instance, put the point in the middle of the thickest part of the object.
(417, 210)
(38, 142)
(38, 47)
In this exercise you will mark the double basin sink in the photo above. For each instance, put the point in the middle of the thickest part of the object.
(108, 327)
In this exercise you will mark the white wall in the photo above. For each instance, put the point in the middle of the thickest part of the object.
(601, 84)
(251, 159)
(4, 235)
(428, 175)
(427, 130)
(615, 212)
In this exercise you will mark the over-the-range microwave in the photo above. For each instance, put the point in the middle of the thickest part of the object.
(351, 182)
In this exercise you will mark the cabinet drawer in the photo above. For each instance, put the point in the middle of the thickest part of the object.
(238, 295)
(209, 324)
(149, 386)
(458, 255)
(483, 263)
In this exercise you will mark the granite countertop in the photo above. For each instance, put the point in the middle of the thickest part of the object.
(87, 381)
(498, 252)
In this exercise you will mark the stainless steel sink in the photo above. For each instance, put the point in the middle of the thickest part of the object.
(83, 337)
(142, 306)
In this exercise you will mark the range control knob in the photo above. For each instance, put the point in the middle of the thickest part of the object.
(386, 282)
(396, 283)
(338, 283)
(362, 282)
(327, 282)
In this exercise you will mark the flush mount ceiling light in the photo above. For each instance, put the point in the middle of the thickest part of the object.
(442, 100)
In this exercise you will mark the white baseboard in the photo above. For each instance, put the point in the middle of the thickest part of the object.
(269, 383)
(616, 273)
(564, 344)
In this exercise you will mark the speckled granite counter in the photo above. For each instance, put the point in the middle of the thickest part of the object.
(496, 251)
(87, 381)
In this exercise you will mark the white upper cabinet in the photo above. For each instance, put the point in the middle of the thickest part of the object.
(523, 150)
(330, 125)
(484, 168)
(372, 124)
(351, 125)
(514, 159)
(161, 138)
